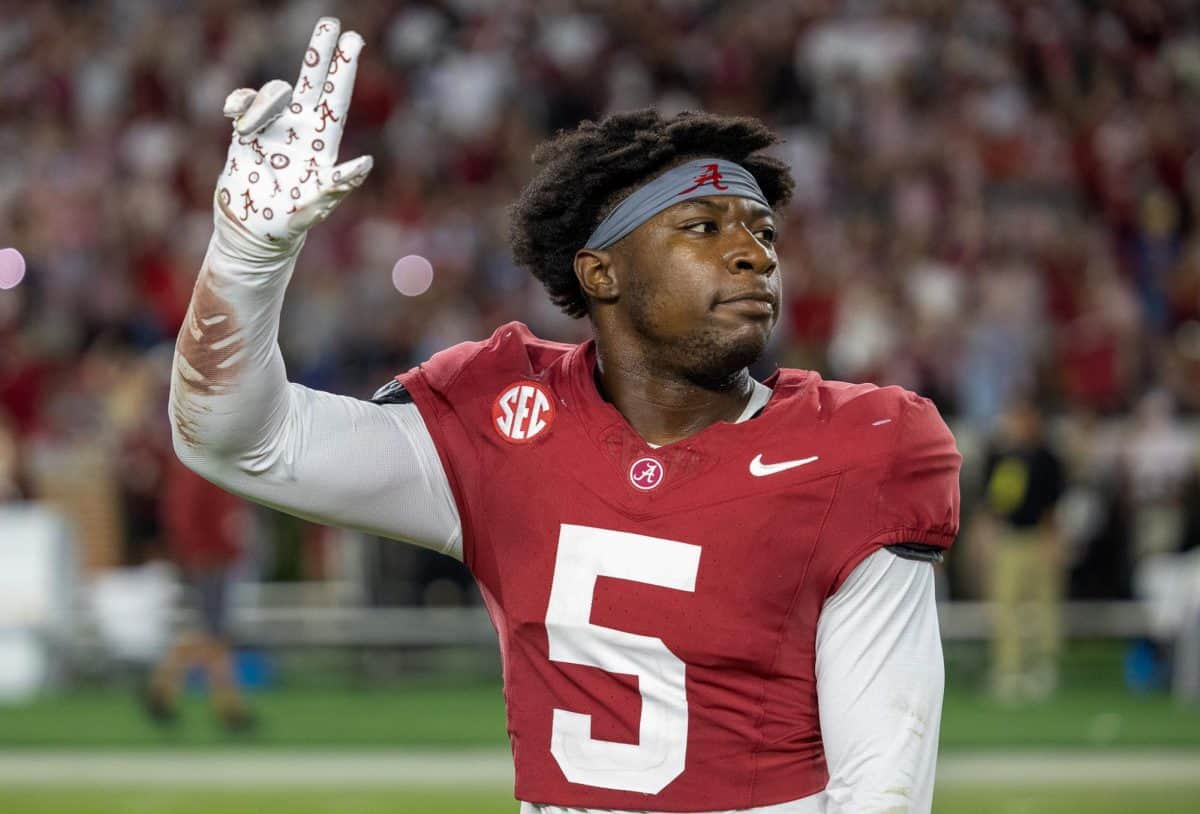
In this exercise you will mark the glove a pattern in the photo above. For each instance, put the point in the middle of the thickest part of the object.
(280, 175)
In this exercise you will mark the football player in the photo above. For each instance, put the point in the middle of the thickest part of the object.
(711, 593)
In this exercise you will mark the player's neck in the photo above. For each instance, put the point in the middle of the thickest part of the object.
(663, 407)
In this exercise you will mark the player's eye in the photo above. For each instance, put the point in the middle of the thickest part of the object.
(701, 227)
(766, 234)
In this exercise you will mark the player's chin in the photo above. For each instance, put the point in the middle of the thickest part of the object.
(749, 345)
(724, 352)
(740, 329)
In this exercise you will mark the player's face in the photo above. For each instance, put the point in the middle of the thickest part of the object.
(700, 282)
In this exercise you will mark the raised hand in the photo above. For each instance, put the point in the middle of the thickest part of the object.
(280, 177)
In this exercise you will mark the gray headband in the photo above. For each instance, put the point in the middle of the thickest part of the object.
(695, 179)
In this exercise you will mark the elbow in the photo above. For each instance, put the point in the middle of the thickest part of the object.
(190, 433)
(184, 432)
(196, 452)
(192, 437)
(186, 441)
(198, 431)
(217, 447)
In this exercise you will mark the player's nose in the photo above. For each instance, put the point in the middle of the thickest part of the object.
(748, 254)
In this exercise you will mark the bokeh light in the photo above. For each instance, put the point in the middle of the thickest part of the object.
(412, 275)
(12, 268)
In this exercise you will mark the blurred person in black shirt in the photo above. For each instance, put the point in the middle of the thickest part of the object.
(1023, 482)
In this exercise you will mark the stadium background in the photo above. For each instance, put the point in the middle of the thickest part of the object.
(994, 200)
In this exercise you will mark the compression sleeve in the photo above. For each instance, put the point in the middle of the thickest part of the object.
(237, 421)
(879, 687)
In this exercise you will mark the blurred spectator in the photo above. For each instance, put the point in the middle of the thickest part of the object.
(10, 488)
(1170, 585)
(1092, 517)
(1159, 463)
(71, 463)
(205, 529)
(1024, 480)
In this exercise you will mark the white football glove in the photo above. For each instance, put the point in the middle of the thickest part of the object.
(279, 177)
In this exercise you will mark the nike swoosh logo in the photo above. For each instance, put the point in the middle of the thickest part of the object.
(759, 469)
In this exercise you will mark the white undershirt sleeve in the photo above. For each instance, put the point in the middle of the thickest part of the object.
(880, 681)
(238, 422)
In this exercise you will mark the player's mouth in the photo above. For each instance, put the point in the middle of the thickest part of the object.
(751, 304)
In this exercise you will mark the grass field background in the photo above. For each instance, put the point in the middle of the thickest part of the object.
(472, 715)
(317, 708)
(316, 713)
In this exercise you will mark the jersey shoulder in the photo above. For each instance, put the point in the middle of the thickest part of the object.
(900, 422)
(851, 399)
(920, 493)
(511, 352)
(916, 425)
(901, 490)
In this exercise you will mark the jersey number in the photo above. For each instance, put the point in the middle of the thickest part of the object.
(658, 757)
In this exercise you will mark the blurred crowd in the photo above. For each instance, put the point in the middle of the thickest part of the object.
(997, 203)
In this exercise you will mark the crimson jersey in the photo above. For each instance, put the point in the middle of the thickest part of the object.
(657, 607)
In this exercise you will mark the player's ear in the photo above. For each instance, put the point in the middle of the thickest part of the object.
(596, 275)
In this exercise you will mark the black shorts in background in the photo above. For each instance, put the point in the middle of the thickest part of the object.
(208, 596)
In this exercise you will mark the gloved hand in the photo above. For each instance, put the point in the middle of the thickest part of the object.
(280, 177)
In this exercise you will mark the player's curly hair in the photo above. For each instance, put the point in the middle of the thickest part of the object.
(583, 173)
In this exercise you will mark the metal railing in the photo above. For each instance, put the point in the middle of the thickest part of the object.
(307, 626)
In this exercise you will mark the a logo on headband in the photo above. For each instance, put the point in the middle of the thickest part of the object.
(711, 175)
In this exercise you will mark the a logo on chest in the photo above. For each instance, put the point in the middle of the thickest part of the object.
(646, 473)
(522, 412)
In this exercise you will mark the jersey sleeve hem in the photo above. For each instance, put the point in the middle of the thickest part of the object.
(917, 552)
(427, 402)
(927, 537)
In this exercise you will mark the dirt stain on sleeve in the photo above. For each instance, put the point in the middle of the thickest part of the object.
(208, 355)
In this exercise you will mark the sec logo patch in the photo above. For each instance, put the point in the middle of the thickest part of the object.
(522, 412)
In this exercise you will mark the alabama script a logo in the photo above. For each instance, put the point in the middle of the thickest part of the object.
(646, 473)
(711, 175)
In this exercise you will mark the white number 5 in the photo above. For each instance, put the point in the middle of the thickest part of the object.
(585, 553)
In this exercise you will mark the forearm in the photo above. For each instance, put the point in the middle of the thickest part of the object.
(879, 685)
(229, 390)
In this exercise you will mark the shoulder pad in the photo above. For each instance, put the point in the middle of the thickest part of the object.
(392, 393)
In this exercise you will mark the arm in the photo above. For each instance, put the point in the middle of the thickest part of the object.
(235, 418)
(879, 687)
